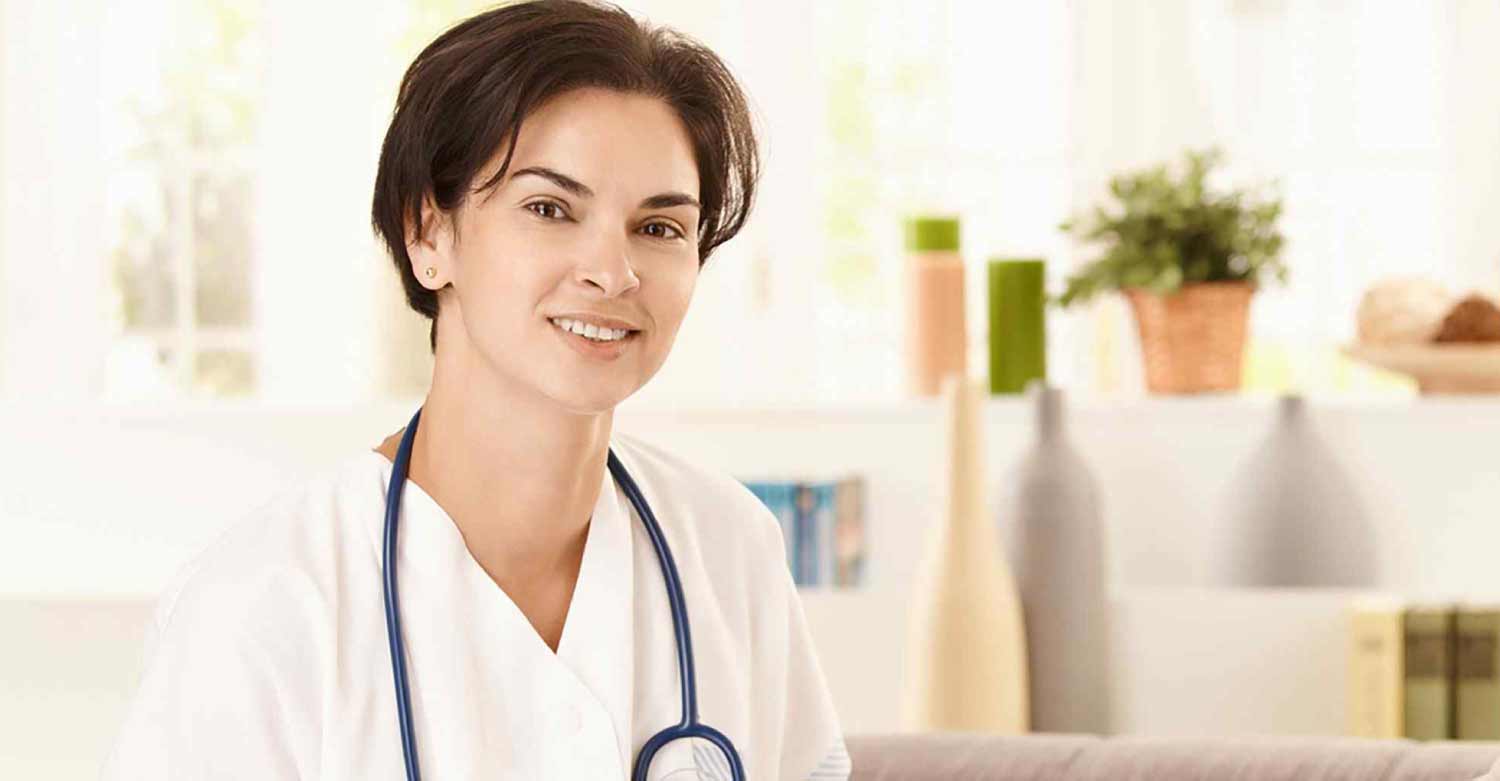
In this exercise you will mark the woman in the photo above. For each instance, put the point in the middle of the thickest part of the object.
(554, 177)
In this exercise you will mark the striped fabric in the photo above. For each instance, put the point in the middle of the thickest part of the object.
(711, 762)
(713, 766)
(834, 767)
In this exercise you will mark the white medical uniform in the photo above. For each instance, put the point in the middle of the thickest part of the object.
(267, 657)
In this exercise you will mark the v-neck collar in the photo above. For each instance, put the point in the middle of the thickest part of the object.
(598, 639)
(597, 645)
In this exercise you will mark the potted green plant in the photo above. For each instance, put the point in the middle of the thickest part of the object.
(1188, 259)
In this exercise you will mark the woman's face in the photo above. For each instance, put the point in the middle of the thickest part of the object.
(597, 216)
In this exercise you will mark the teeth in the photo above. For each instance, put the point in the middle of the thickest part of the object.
(590, 331)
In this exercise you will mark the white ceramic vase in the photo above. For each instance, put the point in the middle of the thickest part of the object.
(966, 653)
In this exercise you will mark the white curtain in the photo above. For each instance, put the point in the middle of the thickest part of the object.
(53, 297)
(331, 323)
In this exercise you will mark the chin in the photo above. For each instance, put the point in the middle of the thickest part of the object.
(591, 401)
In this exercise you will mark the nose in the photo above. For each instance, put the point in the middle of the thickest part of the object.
(606, 264)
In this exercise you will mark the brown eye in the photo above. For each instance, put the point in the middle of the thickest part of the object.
(547, 210)
(667, 231)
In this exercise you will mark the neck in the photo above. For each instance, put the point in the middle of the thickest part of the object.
(517, 471)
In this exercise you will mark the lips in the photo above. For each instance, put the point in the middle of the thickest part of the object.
(594, 349)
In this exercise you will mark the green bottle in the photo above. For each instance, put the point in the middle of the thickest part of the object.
(1018, 323)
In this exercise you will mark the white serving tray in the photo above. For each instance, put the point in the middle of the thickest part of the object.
(1450, 368)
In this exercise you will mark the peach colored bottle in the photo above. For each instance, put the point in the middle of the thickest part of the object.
(933, 302)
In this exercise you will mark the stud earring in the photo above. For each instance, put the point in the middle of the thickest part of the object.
(430, 272)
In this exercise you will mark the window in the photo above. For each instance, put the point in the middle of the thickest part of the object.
(180, 127)
(948, 107)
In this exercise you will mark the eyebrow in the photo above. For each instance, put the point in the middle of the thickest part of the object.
(581, 190)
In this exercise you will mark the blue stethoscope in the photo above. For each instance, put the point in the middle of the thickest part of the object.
(687, 728)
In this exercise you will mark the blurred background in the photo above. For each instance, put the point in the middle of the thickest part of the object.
(192, 181)
(194, 310)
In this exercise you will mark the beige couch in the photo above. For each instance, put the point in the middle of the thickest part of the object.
(952, 756)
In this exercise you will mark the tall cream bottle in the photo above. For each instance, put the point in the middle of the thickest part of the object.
(966, 651)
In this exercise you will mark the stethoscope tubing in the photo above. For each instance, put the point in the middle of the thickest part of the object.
(393, 604)
(688, 726)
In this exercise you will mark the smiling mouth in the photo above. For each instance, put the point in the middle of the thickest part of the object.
(629, 334)
(596, 348)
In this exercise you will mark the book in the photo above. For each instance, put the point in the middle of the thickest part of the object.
(1476, 685)
(822, 524)
(1427, 709)
(810, 550)
(849, 533)
(1376, 700)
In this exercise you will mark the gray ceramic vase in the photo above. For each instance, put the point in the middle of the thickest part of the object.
(1292, 516)
(1049, 516)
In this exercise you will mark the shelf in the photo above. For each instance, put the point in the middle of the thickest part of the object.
(730, 411)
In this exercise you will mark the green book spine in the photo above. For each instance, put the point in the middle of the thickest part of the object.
(1477, 686)
(1428, 712)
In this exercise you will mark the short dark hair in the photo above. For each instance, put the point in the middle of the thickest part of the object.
(467, 93)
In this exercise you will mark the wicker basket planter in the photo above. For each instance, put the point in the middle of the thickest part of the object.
(1193, 340)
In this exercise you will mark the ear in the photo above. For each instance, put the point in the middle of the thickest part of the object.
(434, 249)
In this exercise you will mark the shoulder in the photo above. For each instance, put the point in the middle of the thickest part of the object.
(713, 509)
(237, 654)
(270, 572)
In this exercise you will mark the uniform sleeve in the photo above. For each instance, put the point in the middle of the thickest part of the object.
(209, 703)
(810, 738)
